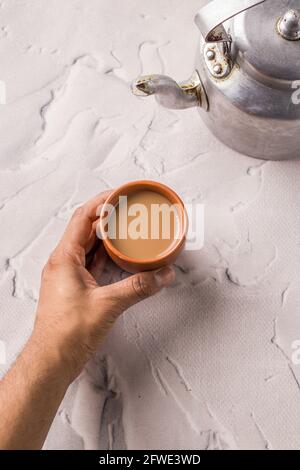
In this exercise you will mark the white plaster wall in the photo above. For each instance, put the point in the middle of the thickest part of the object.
(207, 363)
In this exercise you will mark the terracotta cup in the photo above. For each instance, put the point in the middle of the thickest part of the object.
(137, 265)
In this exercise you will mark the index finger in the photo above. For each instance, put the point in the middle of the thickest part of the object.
(80, 231)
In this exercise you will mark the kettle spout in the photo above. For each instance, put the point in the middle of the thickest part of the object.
(169, 93)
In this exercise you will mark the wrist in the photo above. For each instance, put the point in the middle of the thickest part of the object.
(62, 346)
(39, 354)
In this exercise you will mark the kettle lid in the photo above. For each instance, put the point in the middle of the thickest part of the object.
(268, 37)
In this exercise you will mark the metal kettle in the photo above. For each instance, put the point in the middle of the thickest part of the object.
(247, 78)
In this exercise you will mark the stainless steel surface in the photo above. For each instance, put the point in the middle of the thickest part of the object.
(210, 18)
(258, 94)
(255, 120)
(169, 93)
(249, 78)
(258, 46)
(289, 25)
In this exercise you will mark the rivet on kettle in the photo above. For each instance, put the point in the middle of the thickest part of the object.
(218, 69)
(210, 54)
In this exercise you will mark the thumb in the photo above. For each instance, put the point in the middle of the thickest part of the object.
(135, 288)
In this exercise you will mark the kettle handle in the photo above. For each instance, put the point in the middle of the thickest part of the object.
(211, 17)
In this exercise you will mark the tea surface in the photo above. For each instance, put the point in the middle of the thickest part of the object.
(145, 225)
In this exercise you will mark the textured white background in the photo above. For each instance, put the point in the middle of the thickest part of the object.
(207, 363)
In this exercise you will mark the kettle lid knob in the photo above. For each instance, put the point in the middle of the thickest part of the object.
(289, 25)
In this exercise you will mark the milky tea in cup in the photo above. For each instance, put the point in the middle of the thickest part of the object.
(144, 227)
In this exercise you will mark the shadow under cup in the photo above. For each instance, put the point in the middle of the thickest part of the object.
(136, 253)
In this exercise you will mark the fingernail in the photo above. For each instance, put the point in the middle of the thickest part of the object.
(165, 276)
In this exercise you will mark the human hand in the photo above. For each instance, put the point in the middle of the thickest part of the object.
(74, 313)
